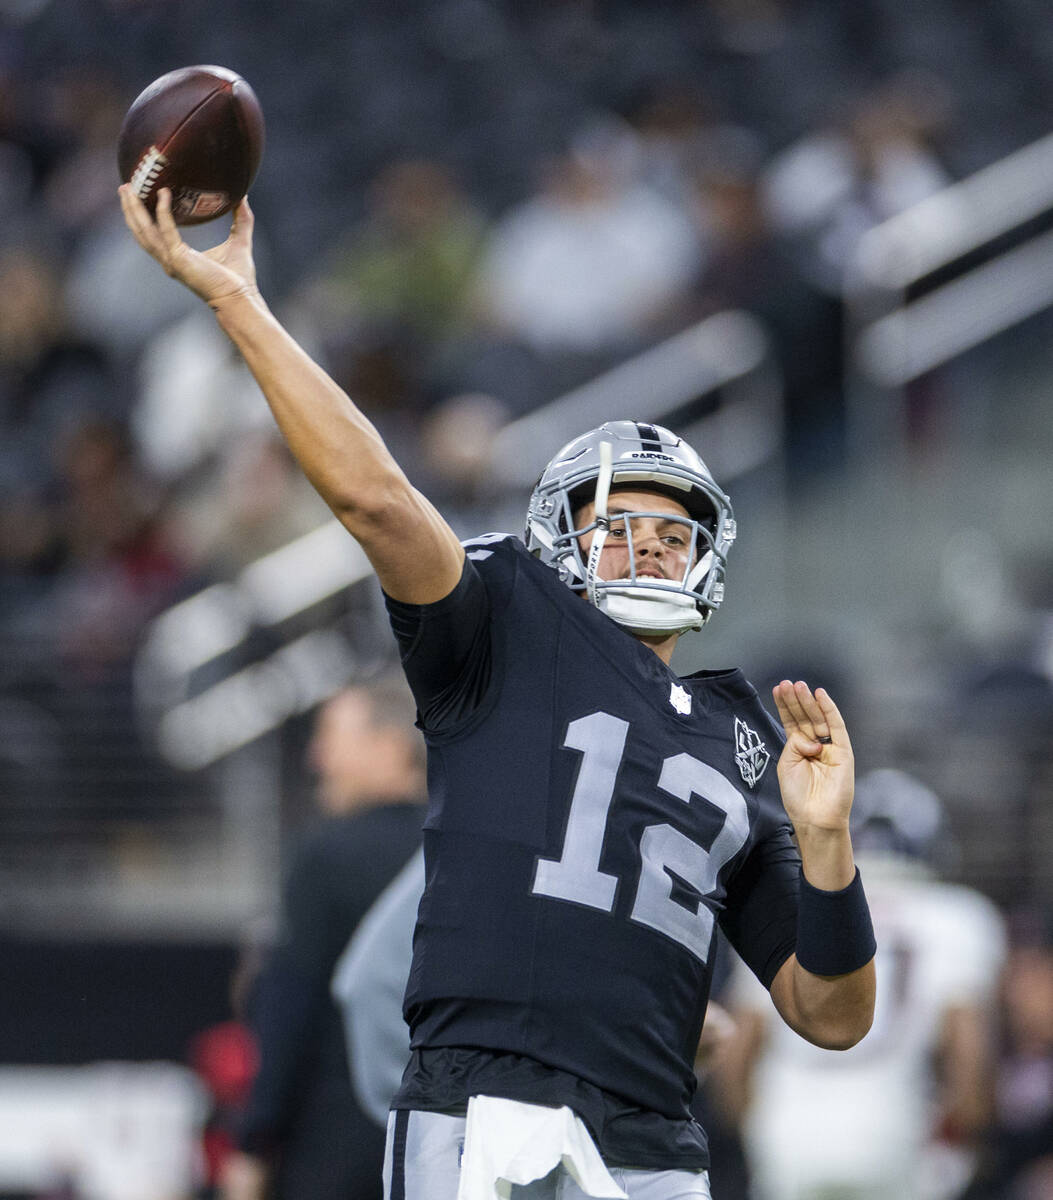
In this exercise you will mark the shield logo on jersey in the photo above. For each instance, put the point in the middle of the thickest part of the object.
(680, 699)
(751, 754)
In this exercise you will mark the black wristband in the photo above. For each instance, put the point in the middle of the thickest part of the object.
(834, 932)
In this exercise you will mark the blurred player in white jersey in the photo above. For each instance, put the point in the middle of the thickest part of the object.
(897, 1116)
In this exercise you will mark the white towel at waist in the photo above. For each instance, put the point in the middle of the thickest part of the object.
(508, 1142)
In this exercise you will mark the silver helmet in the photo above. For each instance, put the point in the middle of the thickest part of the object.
(643, 457)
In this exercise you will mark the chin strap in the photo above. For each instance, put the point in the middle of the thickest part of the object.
(651, 613)
(602, 519)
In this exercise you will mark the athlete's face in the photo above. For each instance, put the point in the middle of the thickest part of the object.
(660, 545)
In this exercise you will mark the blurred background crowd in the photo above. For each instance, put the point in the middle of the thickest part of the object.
(813, 235)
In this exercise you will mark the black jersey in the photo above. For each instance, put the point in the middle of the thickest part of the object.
(592, 818)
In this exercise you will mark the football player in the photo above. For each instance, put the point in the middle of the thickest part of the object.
(592, 817)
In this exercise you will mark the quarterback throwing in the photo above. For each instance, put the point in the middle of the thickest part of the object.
(593, 818)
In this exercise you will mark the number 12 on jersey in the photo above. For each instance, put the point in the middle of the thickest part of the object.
(576, 874)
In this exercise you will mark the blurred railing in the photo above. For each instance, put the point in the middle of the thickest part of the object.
(940, 278)
(725, 359)
(924, 291)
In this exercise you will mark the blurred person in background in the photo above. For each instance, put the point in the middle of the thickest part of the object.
(750, 266)
(593, 258)
(225, 1058)
(85, 107)
(253, 501)
(1017, 1159)
(369, 984)
(408, 264)
(302, 1136)
(390, 302)
(580, 273)
(51, 375)
(119, 567)
(458, 440)
(900, 1114)
(877, 154)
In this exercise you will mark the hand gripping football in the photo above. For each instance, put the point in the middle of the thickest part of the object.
(198, 131)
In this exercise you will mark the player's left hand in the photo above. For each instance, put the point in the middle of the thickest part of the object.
(817, 778)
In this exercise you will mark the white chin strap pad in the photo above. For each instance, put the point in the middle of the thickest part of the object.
(649, 610)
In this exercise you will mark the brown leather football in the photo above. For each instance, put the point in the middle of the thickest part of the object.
(199, 131)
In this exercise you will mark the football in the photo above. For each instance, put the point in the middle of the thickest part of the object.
(196, 130)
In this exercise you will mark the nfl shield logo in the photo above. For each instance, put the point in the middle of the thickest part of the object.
(680, 699)
(751, 754)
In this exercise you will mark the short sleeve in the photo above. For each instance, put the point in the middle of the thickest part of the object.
(445, 650)
(760, 918)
